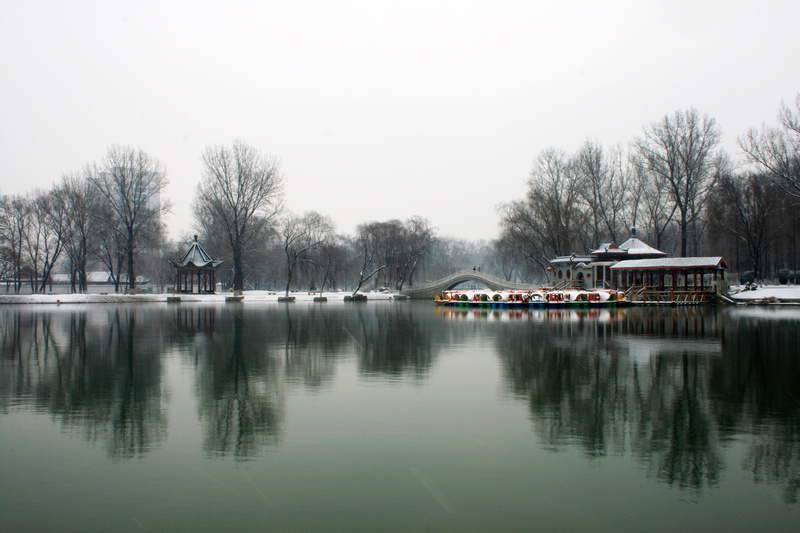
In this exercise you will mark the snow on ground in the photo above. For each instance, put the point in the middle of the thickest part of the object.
(767, 293)
(761, 294)
(249, 296)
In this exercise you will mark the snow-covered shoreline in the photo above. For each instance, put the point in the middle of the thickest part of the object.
(766, 294)
(111, 298)
(763, 294)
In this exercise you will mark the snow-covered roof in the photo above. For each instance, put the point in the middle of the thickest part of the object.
(97, 276)
(671, 262)
(197, 257)
(636, 246)
(609, 248)
(571, 259)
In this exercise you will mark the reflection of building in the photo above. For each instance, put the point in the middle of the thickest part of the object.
(641, 270)
(195, 271)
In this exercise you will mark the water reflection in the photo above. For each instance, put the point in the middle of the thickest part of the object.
(245, 359)
(672, 388)
(394, 340)
(241, 404)
(100, 377)
(760, 388)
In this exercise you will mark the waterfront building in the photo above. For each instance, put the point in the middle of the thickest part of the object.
(642, 272)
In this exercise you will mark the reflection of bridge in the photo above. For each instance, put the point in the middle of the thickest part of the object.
(429, 290)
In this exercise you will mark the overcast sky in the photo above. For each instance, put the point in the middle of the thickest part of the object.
(377, 109)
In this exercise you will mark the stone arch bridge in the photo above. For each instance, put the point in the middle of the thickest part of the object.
(430, 289)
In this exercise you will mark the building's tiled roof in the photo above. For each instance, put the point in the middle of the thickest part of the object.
(665, 263)
(572, 259)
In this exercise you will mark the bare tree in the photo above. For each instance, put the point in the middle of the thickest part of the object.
(447, 255)
(300, 235)
(748, 206)
(6, 260)
(418, 236)
(370, 245)
(13, 229)
(509, 256)
(35, 237)
(10, 252)
(44, 236)
(548, 222)
(131, 184)
(81, 203)
(678, 152)
(603, 188)
(240, 193)
(110, 250)
(776, 150)
(655, 213)
(331, 257)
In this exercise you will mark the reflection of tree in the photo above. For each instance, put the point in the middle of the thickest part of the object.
(241, 393)
(244, 364)
(587, 382)
(252, 352)
(774, 458)
(137, 417)
(575, 395)
(95, 371)
(676, 433)
(392, 340)
(758, 386)
(671, 386)
(314, 337)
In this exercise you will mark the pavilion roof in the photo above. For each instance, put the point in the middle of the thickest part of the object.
(197, 257)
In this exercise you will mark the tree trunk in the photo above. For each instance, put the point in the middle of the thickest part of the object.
(131, 273)
(289, 270)
(238, 274)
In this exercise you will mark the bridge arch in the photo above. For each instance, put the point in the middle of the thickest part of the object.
(495, 283)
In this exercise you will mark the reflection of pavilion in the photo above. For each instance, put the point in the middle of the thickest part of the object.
(196, 271)
(194, 319)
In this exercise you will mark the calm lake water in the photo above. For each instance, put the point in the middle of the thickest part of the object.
(398, 416)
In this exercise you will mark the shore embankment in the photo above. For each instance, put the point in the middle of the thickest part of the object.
(223, 297)
(754, 295)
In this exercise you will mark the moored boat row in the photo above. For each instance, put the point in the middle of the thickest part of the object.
(535, 298)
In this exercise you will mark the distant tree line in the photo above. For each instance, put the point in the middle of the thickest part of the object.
(674, 186)
(109, 217)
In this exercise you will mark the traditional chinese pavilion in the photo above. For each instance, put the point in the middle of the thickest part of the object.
(195, 272)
